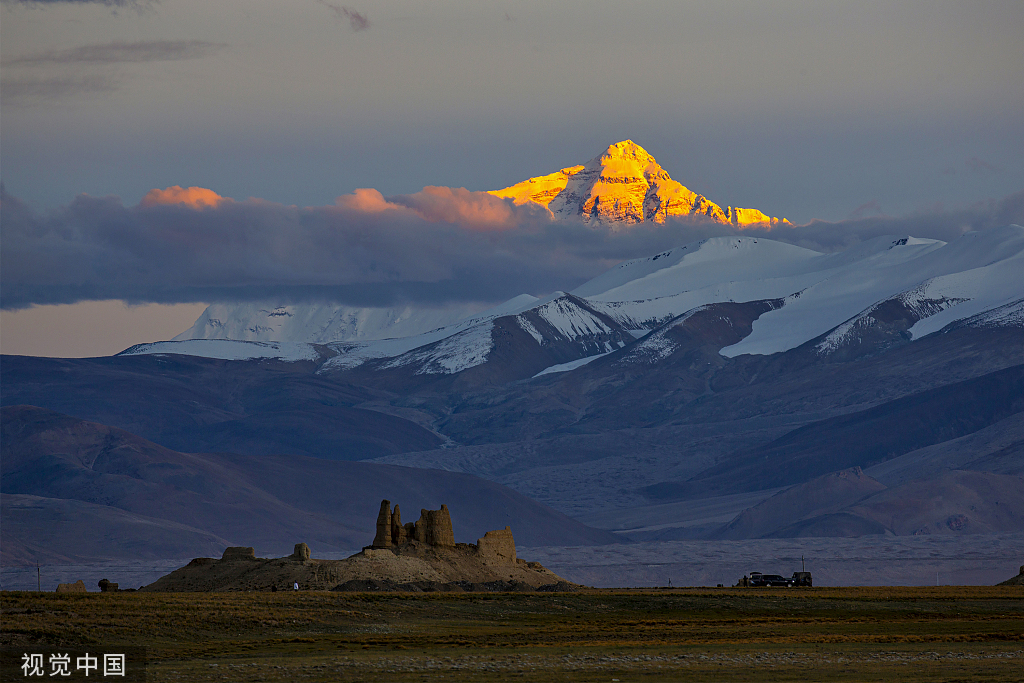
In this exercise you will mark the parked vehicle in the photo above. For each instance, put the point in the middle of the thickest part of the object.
(759, 579)
(771, 580)
(802, 579)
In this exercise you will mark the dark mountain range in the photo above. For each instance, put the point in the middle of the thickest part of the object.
(81, 490)
(201, 404)
(685, 406)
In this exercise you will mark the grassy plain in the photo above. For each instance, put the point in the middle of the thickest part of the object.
(836, 634)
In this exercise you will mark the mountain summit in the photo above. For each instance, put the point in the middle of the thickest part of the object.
(624, 185)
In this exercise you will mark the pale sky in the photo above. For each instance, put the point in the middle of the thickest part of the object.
(803, 109)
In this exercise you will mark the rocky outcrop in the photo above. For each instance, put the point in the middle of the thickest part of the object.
(76, 587)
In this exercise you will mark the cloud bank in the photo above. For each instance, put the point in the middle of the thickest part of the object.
(439, 245)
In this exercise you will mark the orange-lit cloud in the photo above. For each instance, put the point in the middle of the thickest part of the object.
(193, 197)
(458, 205)
(367, 200)
(472, 210)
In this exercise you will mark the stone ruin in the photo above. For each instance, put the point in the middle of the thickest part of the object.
(76, 587)
(434, 527)
(498, 545)
(238, 553)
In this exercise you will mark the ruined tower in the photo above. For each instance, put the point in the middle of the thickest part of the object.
(383, 537)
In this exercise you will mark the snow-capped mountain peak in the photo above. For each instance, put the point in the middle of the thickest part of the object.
(624, 185)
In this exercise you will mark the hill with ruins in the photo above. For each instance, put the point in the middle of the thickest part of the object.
(419, 556)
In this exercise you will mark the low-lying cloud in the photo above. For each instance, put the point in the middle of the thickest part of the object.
(18, 91)
(431, 247)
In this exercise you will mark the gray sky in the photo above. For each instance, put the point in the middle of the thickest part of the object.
(808, 110)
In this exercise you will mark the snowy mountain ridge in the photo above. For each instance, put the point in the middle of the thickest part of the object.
(884, 291)
(319, 323)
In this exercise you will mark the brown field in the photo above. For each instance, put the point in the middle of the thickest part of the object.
(835, 634)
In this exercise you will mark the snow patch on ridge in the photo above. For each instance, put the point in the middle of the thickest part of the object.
(1008, 315)
(657, 346)
(571, 365)
(918, 301)
(570, 320)
(529, 328)
(456, 353)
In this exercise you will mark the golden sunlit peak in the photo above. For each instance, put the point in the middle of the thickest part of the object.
(193, 197)
(627, 149)
(624, 186)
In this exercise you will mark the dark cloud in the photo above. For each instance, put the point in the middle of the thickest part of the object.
(941, 224)
(119, 52)
(866, 208)
(26, 89)
(19, 91)
(982, 167)
(438, 245)
(975, 166)
(357, 20)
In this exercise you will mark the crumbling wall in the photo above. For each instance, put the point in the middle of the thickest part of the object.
(76, 587)
(498, 546)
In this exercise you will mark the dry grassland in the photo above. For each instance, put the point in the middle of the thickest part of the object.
(836, 634)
